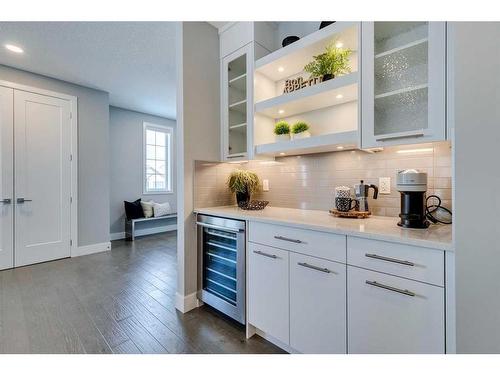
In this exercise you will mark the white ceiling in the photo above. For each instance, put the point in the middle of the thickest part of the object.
(133, 61)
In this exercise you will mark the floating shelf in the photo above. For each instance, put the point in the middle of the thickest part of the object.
(320, 143)
(311, 98)
(295, 56)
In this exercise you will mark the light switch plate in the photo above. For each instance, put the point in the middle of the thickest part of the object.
(265, 185)
(384, 185)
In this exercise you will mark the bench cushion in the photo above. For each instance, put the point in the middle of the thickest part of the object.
(133, 210)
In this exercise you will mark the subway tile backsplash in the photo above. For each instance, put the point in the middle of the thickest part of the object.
(309, 181)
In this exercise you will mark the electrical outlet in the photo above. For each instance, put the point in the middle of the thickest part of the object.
(265, 185)
(384, 185)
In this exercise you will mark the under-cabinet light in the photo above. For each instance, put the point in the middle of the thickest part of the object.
(339, 96)
(281, 69)
(340, 147)
(414, 150)
(13, 48)
(282, 154)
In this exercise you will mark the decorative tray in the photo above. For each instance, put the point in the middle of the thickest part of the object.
(351, 214)
(254, 205)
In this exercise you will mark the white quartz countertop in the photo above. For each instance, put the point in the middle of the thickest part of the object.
(375, 227)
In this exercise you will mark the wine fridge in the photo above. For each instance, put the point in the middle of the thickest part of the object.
(221, 264)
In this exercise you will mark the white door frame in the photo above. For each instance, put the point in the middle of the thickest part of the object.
(73, 100)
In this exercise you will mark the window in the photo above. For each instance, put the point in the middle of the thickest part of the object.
(157, 159)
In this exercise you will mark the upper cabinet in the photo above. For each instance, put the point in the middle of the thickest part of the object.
(403, 83)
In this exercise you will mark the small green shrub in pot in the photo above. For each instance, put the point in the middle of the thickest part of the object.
(282, 131)
(300, 130)
(244, 184)
(331, 63)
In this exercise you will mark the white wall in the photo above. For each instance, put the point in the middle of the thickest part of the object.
(126, 163)
(198, 137)
(93, 151)
(477, 200)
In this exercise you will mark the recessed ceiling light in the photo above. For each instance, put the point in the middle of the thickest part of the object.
(339, 96)
(281, 111)
(339, 44)
(414, 150)
(281, 69)
(13, 48)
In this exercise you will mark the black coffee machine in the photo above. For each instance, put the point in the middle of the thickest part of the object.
(412, 185)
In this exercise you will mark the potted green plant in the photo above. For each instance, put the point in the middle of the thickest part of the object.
(300, 130)
(244, 184)
(331, 63)
(282, 131)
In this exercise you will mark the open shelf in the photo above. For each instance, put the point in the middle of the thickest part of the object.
(320, 143)
(311, 98)
(295, 56)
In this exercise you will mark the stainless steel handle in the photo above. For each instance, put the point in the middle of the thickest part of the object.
(325, 270)
(6, 201)
(287, 239)
(218, 227)
(408, 134)
(406, 292)
(265, 254)
(22, 200)
(392, 260)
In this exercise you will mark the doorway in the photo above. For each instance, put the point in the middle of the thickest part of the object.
(36, 172)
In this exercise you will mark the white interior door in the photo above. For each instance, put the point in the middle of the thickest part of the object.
(6, 178)
(42, 178)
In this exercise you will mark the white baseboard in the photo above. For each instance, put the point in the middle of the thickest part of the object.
(144, 232)
(91, 249)
(186, 303)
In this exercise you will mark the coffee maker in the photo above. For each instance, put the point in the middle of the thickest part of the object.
(361, 192)
(412, 184)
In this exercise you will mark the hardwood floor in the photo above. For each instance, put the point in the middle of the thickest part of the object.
(120, 301)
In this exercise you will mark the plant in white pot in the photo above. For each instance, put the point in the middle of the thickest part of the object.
(282, 131)
(300, 130)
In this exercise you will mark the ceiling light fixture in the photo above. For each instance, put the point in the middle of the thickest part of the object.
(340, 147)
(339, 44)
(414, 150)
(339, 96)
(281, 111)
(13, 48)
(282, 154)
(281, 69)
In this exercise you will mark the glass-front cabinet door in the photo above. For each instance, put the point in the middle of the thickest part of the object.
(237, 111)
(403, 83)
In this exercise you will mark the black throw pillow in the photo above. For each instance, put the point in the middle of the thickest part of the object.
(133, 210)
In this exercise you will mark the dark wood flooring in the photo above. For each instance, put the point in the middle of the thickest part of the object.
(120, 301)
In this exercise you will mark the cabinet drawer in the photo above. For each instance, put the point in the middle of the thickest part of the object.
(412, 262)
(388, 314)
(317, 305)
(318, 244)
(268, 293)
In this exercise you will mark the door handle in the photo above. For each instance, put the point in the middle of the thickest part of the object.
(265, 254)
(22, 200)
(6, 201)
(316, 268)
(406, 292)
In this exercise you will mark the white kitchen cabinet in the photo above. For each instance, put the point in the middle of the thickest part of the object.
(317, 305)
(237, 103)
(268, 291)
(403, 83)
(389, 314)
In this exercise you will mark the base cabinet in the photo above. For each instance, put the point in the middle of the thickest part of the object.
(268, 293)
(317, 305)
(388, 314)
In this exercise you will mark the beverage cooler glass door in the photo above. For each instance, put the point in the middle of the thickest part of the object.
(221, 260)
(403, 82)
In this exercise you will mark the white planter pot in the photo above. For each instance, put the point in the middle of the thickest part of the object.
(282, 137)
(305, 134)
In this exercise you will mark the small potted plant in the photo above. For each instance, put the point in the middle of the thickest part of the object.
(282, 131)
(331, 63)
(300, 130)
(244, 184)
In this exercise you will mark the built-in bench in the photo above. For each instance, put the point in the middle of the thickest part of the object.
(132, 227)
